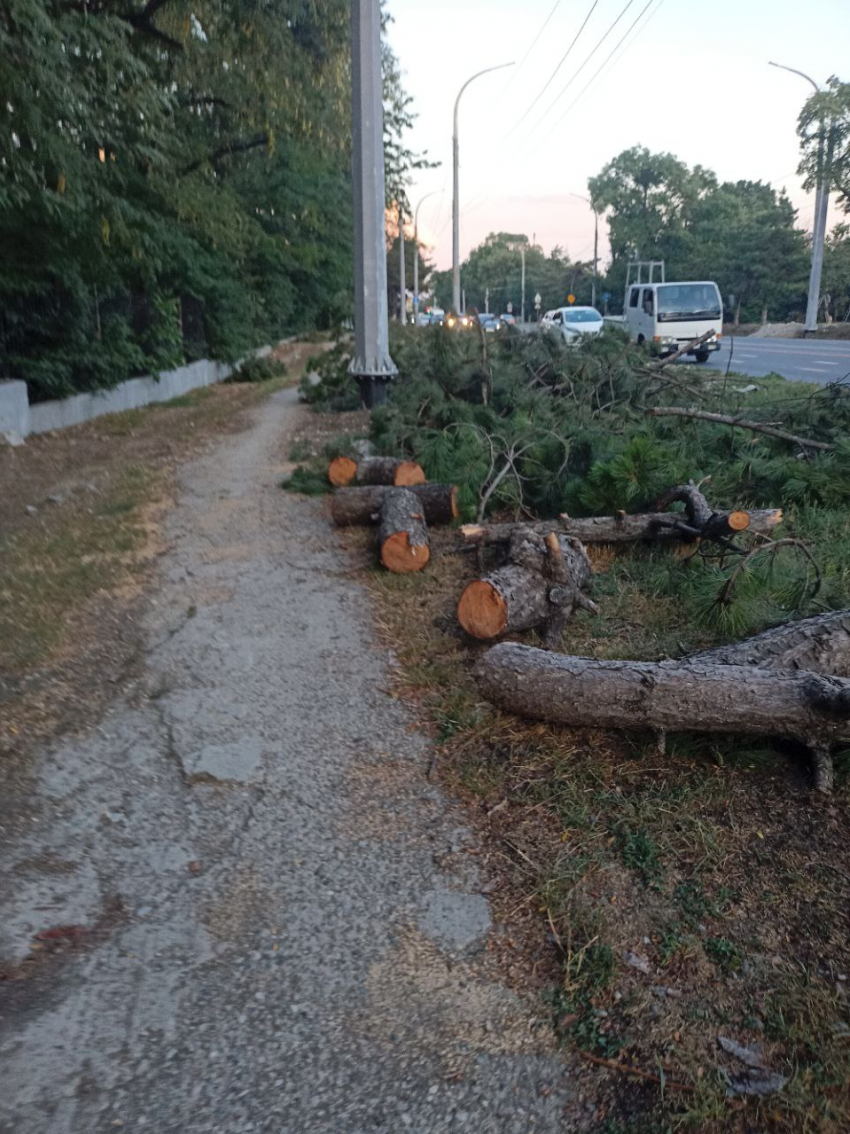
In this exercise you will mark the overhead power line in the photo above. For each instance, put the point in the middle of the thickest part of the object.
(576, 74)
(563, 60)
(534, 42)
(608, 58)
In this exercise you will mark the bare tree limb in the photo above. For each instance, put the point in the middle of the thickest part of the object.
(740, 423)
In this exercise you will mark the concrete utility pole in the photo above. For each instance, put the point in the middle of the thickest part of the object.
(402, 274)
(416, 254)
(371, 367)
(522, 286)
(595, 246)
(486, 301)
(456, 189)
(821, 211)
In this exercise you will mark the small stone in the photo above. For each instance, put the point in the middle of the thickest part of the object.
(32, 510)
(143, 911)
(636, 961)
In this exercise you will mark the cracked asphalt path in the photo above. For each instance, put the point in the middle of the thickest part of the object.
(284, 931)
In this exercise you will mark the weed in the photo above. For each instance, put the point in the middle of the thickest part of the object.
(724, 953)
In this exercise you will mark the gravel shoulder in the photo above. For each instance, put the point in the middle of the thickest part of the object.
(238, 904)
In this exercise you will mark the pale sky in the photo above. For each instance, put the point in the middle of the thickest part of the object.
(690, 78)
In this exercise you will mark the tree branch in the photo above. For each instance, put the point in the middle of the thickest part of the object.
(237, 147)
(740, 423)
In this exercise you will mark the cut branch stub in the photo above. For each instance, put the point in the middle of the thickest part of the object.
(362, 505)
(403, 534)
(343, 471)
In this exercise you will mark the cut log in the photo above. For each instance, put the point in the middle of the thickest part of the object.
(820, 644)
(621, 528)
(739, 699)
(343, 471)
(528, 592)
(363, 505)
(403, 533)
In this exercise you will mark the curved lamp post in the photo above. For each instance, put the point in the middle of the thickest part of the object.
(455, 189)
(420, 202)
(819, 226)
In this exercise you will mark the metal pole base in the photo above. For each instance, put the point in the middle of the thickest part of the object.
(373, 390)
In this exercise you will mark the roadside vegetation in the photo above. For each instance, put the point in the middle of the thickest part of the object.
(680, 898)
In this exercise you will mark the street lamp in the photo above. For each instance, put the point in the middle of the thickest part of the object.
(455, 189)
(416, 253)
(821, 210)
(595, 245)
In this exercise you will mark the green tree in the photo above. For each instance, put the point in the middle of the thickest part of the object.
(824, 131)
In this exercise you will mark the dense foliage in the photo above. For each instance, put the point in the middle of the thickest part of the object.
(174, 181)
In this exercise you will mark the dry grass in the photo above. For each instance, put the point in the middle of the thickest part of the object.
(716, 863)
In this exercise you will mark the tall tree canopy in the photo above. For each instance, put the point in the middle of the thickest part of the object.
(174, 180)
(741, 234)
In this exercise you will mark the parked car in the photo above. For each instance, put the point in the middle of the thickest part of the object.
(507, 320)
(573, 323)
(491, 323)
(436, 317)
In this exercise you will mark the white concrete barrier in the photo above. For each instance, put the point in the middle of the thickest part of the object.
(14, 411)
(18, 418)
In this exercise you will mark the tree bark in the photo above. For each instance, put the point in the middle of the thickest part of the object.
(621, 528)
(403, 533)
(363, 505)
(540, 586)
(666, 698)
(820, 644)
(343, 471)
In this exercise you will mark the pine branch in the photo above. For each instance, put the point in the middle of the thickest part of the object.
(740, 423)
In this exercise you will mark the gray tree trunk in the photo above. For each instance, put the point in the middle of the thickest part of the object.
(820, 644)
(669, 698)
(363, 505)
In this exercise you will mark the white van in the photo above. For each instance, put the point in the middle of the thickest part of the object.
(673, 314)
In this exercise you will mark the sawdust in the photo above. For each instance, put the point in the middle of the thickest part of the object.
(427, 1003)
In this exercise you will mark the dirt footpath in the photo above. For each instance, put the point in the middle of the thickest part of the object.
(238, 904)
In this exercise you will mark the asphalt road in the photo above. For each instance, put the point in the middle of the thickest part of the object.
(797, 359)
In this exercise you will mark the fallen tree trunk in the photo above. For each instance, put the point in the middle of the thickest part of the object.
(661, 697)
(621, 528)
(403, 533)
(541, 586)
(343, 471)
(820, 644)
(363, 505)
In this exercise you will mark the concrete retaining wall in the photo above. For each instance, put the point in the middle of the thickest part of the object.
(14, 410)
(18, 418)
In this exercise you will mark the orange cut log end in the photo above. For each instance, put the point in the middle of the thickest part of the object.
(739, 521)
(481, 610)
(407, 473)
(342, 471)
(401, 557)
(454, 502)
